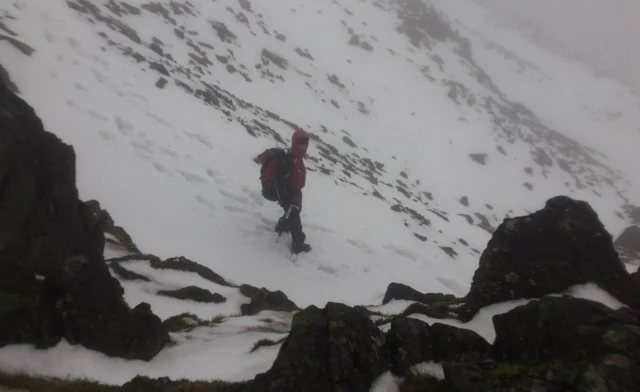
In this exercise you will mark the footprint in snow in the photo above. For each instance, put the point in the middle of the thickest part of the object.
(191, 177)
(205, 201)
(146, 147)
(123, 126)
(361, 245)
(97, 115)
(80, 86)
(162, 169)
(236, 198)
(48, 36)
(216, 176)
(108, 136)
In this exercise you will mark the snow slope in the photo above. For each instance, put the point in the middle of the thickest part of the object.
(167, 103)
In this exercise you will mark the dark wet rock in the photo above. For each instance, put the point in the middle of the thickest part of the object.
(274, 58)
(118, 236)
(88, 8)
(528, 185)
(411, 341)
(449, 251)
(130, 9)
(484, 223)
(223, 32)
(349, 142)
(634, 213)
(328, 350)
(464, 200)
(333, 79)
(47, 231)
(263, 299)
(480, 158)
(549, 251)
(194, 293)
(399, 291)
(125, 274)
(160, 68)
(246, 5)
(420, 237)
(186, 265)
(161, 83)
(629, 239)
(568, 329)
(304, 53)
(21, 46)
(6, 79)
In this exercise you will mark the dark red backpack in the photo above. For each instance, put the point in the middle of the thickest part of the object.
(268, 160)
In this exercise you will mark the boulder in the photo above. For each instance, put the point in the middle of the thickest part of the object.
(334, 349)
(263, 299)
(54, 282)
(567, 329)
(547, 252)
(557, 344)
(410, 341)
(630, 238)
(399, 291)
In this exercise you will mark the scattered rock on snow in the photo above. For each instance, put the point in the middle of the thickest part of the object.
(263, 299)
(399, 291)
(194, 293)
(186, 265)
(125, 274)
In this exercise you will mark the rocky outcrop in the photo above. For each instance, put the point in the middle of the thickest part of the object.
(54, 283)
(558, 344)
(399, 291)
(411, 341)
(115, 235)
(628, 245)
(194, 293)
(330, 349)
(186, 265)
(629, 239)
(263, 299)
(547, 252)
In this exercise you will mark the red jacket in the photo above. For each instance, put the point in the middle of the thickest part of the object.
(291, 174)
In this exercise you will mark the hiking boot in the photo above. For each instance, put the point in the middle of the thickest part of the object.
(300, 247)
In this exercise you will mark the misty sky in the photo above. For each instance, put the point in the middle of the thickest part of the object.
(606, 32)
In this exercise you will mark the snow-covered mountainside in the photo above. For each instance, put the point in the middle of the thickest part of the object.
(430, 124)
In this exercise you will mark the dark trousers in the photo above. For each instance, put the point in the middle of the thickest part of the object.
(295, 225)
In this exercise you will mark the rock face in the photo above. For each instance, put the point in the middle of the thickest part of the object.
(404, 292)
(54, 282)
(411, 341)
(629, 239)
(567, 329)
(333, 349)
(547, 252)
(558, 344)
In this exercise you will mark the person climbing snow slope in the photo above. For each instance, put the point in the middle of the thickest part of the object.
(283, 177)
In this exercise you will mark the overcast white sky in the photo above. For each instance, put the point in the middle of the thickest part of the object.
(607, 32)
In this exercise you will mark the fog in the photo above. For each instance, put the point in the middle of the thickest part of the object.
(603, 33)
